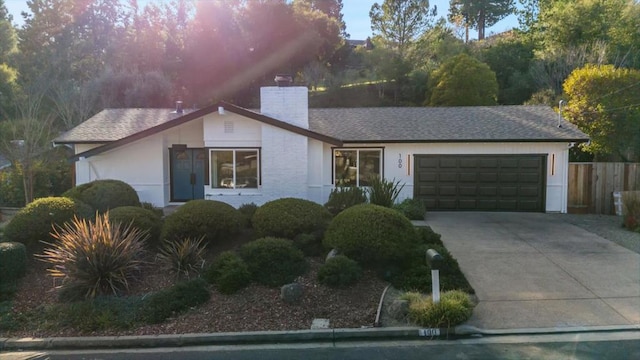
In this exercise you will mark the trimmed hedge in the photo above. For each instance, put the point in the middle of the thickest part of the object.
(228, 272)
(103, 195)
(215, 220)
(34, 223)
(289, 217)
(373, 235)
(454, 308)
(13, 261)
(141, 219)
(339, 271)
(176, 299)
(273, 261)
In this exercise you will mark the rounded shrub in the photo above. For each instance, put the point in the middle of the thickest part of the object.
(228, 272)
(339, 271)
(141, 219)
(310, 244)
(373, 235)
(13, 261)
(413, 209)
(289, 217)
(215, 220)
(163, 304)
(273, 261)
(103, 195)
(342, 197)
(34, 223)
(454, 308)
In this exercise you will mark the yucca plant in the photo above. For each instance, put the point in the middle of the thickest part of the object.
(95, 257)
(383, 192)
(184, 256)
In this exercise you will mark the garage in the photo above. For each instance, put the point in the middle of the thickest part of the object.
(481, 182)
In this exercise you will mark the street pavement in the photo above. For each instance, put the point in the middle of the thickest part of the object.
(533, 270)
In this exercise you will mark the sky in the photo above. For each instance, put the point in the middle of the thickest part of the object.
(355, 14)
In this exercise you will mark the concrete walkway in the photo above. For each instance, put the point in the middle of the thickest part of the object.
(537, 271)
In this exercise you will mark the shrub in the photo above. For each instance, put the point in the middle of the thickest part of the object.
(140, 218)
(183, 256)
(34, 223)
(631, 210)
(95, 257)
(310, 244)
(383, 192)
(247, 211)
(415, 278)
(103, 195)
(454, 308)
(13, 261)
(228, 272)
(342, 197)
(180, 297)
(339, 271)
(289, 217)
(373, 235)
(413, 209)
(426, 235)
(156, 210)
(416, 275)
(215, 220)
(99, 314)
(273, 261)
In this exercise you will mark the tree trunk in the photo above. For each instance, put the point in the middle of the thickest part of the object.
(481, 25)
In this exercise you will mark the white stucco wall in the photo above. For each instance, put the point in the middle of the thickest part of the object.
(556, 181)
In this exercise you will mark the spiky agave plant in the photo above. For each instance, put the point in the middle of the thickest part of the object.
(183, 256)
(95, 257)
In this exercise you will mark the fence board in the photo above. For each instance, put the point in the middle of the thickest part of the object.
(591, 185)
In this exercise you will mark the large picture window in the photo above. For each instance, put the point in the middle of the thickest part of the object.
(356, 167)
(235, 168)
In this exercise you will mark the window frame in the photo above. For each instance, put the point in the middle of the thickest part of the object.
(234, 150)
(357, 149)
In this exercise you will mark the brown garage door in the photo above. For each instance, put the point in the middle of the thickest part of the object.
(481, 182)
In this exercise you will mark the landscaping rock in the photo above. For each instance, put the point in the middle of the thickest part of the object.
(291, 293)
(320, 324)
(398, 310)
(333, 253)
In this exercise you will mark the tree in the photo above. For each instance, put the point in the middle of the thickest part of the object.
(26, 139)
(510, 58)
(463, 81)
(400, 22)
(604, 102)
(8, 74)
(479, 14)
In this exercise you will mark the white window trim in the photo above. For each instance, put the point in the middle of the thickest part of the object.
(333, 162)
(234, 151)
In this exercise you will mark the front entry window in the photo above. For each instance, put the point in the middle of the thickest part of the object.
(235, 168)
(356, 167)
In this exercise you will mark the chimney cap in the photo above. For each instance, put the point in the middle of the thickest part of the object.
(179, 109)
(283, 80)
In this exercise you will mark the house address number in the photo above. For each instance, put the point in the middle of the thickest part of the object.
(429, 332)
(399, 161)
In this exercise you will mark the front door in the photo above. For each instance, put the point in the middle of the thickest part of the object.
(187, 174)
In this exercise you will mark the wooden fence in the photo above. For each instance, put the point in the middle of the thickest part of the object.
(591, 185)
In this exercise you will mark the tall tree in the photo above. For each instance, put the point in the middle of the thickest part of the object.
(479, 14)
(604, 102)
(8, 74)
(400, 22)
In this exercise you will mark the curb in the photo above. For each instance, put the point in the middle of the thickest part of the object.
(240, 338)
(284, 337)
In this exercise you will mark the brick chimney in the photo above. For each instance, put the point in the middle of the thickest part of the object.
(286, 102)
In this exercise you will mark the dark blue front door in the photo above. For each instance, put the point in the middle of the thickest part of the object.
(187, 174)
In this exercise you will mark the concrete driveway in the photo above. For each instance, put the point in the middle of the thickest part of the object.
(537, 271)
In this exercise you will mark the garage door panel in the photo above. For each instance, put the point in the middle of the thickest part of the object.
(481, 182)
(468, 177)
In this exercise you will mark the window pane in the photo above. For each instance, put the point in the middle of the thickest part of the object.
(346, 167)
(247, 169)
(222, 169)
(369, 166)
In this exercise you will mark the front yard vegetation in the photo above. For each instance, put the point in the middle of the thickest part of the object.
(121, 268)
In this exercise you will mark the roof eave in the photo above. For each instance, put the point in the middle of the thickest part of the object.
(392, 141)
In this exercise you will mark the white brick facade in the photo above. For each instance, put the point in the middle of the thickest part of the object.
(289, 104)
